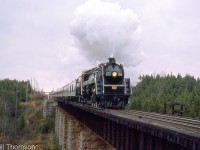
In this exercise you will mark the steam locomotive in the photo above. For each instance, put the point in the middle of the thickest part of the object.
(102, 86)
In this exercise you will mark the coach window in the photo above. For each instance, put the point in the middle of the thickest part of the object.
(74, 86)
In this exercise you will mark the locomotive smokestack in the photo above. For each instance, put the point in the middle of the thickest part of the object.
(112, 60)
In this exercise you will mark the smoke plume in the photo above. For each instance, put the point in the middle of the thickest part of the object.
(103, 29)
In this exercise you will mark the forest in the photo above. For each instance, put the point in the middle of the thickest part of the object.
(12, 92)
(153, 91)
(27, 126)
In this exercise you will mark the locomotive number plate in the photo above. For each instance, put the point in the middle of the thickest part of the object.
(114, 87)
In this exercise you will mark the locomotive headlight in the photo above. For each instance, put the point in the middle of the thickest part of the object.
(114, 74)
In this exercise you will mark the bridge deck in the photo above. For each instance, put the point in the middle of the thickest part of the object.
(126, 133)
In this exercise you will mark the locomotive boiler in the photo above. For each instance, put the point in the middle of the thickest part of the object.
(102, 86)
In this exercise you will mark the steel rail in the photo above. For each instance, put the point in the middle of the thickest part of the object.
(182, 119)
(178, 122)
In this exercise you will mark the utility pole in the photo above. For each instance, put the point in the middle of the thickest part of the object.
(16, 108)
(26, 97)
(34, 83)
(31, 90)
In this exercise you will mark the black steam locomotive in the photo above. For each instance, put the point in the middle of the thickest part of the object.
(102, 86)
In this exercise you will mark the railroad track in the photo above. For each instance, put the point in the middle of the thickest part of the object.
(182, 124)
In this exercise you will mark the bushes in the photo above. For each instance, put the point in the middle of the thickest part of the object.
(47, 125)
(53, 143)
(21, 122)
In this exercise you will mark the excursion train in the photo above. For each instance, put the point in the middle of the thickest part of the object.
(103, 86)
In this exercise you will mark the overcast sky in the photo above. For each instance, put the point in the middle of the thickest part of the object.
(40, 38)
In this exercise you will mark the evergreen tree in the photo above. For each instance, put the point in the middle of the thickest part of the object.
(153, 91)
(8, 93)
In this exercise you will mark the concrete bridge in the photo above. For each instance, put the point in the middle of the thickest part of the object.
(80, 127)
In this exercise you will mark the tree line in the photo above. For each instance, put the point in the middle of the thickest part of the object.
(10, 90)
(153, 91)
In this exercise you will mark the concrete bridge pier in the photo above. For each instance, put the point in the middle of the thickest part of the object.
(72, 135)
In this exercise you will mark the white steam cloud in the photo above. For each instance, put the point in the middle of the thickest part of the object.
(103, 29)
